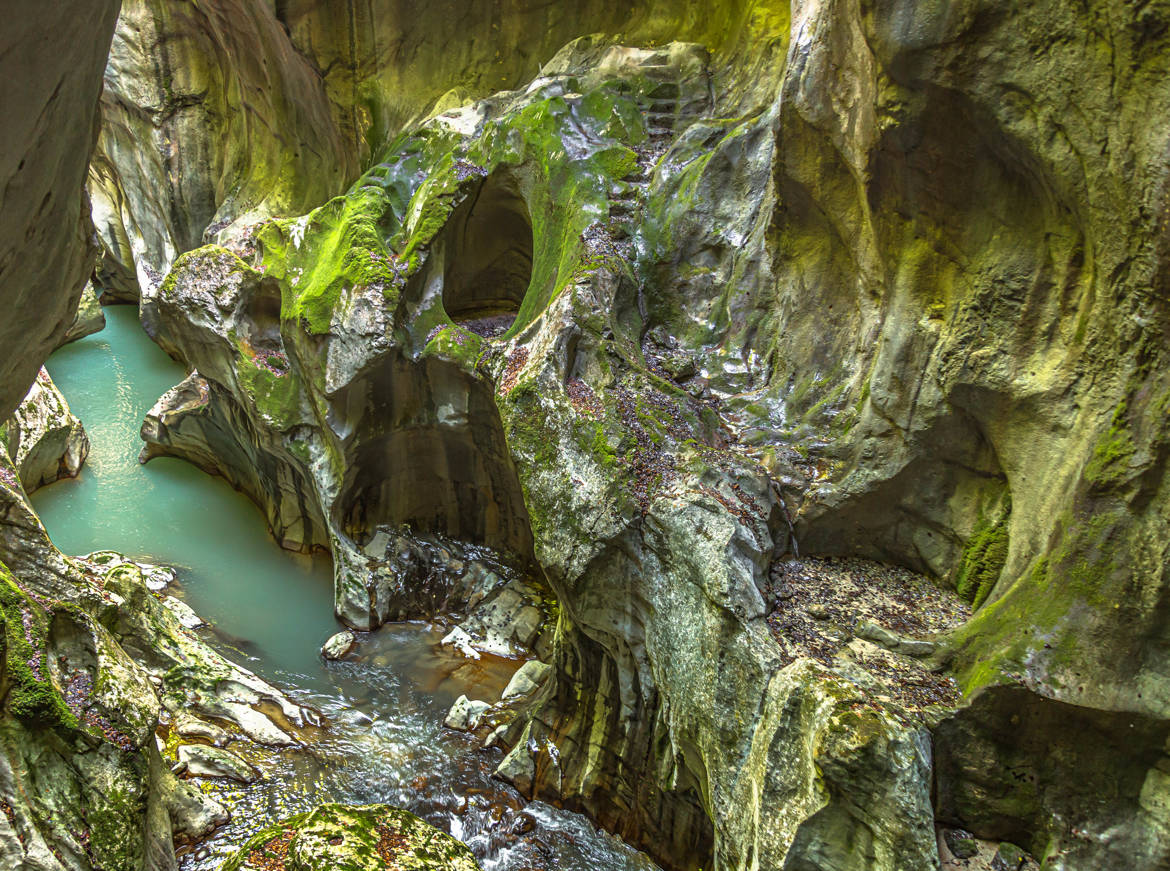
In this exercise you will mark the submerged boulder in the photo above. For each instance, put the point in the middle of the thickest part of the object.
(338, 837)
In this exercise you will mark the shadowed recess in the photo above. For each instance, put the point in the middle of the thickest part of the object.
(428, 451)
(487, 257)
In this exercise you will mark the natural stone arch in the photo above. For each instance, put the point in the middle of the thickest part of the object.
(487, 251)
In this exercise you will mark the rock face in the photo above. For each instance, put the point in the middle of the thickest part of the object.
(343, 838)
(52, 57)
(555, 442)
(231, 111)
(90, 318)
(885, 308)
(43, 439)
(210, 117)
(882, 280)
(92, 661)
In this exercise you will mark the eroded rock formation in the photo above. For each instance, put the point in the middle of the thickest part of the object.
(52, 59)
(43, 439)
(872, 279)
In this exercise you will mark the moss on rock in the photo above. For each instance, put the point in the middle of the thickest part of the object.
(338, 837)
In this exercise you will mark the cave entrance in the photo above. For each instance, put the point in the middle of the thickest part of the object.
(487, 257)
(429, 453)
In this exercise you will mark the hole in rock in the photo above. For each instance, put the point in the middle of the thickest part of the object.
(427, 451)
(487, 257)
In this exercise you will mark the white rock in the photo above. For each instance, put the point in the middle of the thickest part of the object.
(183, 613)
(465, 714)
(461, 641)
(157, 578)
(204, 761)
(338, 645)
(526, 680)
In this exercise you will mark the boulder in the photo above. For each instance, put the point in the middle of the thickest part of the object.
(346, 838)
(526, 680)
(204, 761)
(338, 646)
(465, 714)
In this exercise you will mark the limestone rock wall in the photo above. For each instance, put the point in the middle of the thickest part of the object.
(673, 717)
(210, 117)
(52, 59)
(44, 440)
(255, 109)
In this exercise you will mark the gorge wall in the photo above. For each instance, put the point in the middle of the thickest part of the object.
(53, 57)
(879, 279)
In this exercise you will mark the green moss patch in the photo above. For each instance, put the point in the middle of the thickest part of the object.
(984, 557)
(30, 694)
(342, 838)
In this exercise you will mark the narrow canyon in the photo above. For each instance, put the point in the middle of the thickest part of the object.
(546, 436)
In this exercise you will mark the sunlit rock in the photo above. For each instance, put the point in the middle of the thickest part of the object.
(345, 838)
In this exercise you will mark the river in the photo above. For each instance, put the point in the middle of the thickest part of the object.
(270, 610)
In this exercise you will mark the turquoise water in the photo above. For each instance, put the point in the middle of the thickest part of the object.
(170, 512)
(271, 610)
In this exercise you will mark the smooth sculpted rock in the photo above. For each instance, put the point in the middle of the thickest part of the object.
(51, 60)
(849, 275)
(43, 438)
(90, 318)
(338, 837)
(343, 383)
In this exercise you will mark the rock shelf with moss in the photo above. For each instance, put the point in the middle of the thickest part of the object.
(342, 838)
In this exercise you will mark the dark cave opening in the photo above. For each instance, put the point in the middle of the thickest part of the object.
(429, 453)
(487, 257)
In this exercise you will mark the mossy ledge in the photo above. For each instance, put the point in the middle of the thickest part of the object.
(338, 837)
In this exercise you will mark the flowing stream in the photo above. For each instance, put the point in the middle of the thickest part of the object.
(271, 610)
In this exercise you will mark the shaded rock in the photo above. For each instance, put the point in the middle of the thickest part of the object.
(345, 838)
(90, 318)
(52, 59)
(204, 761)
(1008, 857)
(339, 645)
(890, 276)
(962, 844)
